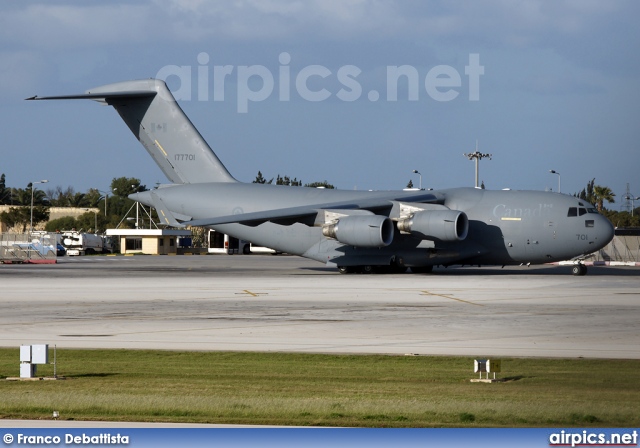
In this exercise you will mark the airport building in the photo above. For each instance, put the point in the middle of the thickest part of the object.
(151, 241)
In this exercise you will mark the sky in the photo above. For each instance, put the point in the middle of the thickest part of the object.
(359, 93)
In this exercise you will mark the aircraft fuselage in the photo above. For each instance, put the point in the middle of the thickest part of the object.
(505, 227)
(391, 229)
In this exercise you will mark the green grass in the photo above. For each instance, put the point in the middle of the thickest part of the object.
(322, 390)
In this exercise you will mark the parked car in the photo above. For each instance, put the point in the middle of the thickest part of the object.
(60, 250)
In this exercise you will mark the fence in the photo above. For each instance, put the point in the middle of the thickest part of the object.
(38, 247)
(625, 248)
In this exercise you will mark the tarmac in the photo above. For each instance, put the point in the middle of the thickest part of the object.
(282, 303)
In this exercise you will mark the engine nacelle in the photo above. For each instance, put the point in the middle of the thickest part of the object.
(444, 225)
(361, 230)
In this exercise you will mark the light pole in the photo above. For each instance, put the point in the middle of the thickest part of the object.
(106, 198)
(44, 181)
(95, 219)
(418, 173)
(555, 172)
(477, 156)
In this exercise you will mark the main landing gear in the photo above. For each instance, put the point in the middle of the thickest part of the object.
(579, 269)
(391, 269)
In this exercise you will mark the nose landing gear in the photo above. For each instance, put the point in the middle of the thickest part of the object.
(579, 269)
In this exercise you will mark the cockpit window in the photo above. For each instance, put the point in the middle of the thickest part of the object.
(579, 211)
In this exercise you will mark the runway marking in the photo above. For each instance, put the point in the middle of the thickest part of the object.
(253, 294)
(446, 296)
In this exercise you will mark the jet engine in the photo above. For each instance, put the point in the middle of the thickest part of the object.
(361, 230)
(445, 225)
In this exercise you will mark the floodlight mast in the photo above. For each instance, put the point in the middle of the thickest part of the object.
(555, 172)
(418, 173)
(477, 156)
(633, 200)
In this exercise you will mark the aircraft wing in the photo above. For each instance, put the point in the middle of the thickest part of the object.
(307, 213)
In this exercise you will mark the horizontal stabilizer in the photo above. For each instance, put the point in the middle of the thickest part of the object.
(104, 96)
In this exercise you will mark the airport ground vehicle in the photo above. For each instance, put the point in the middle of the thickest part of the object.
(222, 243)
(77, 243)
(61, 251)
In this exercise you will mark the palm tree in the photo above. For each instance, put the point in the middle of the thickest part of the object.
(5, 193)
(78, 200)
(601, 194)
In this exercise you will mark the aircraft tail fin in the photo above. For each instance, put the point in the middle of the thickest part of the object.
(158, 122)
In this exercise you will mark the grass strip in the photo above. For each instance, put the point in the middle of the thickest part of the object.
(322, 390)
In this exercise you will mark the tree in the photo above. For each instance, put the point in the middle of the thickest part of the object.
(12, 217)
(124, 186)
(5, 193)
(287, 181)
(601, 194)
(88, 221)
(59, 197)
(323, 184)
(61, 224)
(261, 180)
(587, 193)
(22, 196)
(410, 184)
(78, 200)
(17, 216)
(21, 216)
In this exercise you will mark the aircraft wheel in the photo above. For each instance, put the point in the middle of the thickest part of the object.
(346, 269)
(579, 269)
(367, 269)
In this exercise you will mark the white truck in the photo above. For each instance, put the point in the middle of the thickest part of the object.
(82, 243)
(221, 243)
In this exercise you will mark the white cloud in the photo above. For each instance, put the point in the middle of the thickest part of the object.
(504, 22)
(55, 26)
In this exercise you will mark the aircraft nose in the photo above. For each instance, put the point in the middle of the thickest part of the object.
(604, 231)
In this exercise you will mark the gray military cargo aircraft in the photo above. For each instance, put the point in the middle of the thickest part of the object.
(355, 231)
